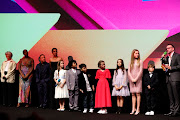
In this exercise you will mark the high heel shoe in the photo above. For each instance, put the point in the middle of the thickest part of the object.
(133, 112)
(137, 113)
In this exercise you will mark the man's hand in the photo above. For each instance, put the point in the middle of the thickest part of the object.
(81, 90)
(149, 87)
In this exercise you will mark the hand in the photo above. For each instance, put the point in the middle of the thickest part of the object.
(116, 87)
(120, 87)
(81, 91)
(163, 55)
(133, 80)
(149, 87)
(93, 88)
(57, 82)
(61, 85)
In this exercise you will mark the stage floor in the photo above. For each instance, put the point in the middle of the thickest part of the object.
(23, 113)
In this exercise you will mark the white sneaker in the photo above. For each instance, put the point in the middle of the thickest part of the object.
(104, 112)
(100, 112)
(62, 109)
(151, 113)
(147, 113)
(91, 110)
(85, 110)
(58, 109)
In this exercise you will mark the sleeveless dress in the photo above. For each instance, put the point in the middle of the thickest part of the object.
(61, 92)
(24, 85)
(103, 95)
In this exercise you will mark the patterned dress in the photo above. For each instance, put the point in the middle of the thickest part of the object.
(24, 84)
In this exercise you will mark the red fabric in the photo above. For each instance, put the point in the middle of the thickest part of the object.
(103, 95)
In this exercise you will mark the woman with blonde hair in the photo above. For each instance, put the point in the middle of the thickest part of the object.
(135, 72)
(61, 91)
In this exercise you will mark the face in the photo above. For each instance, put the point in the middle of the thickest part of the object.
(102, 66)
(74, 65)
(136, 54)
(42, 59)
(25, 52)
(169, 49)
(150, 69)
(54, 52)
(119, 63)
(84, 69)
(62, 64)
(8, 56)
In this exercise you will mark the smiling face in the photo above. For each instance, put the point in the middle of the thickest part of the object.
(169, 49)
(62, 64)
(8, 56)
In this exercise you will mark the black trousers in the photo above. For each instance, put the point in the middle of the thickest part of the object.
(174, 95)
(7, 90)
(42, 93)
(150, 99)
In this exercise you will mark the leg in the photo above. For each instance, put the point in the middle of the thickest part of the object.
(121, 101)
(76, 96)
(39, 87)
(171, 97)
(4, 92)
(10, 93)
(44, 94)
(118, 101)
(148, 100)
(176, 89)
(91, 101)
(71, 99)
(138, 102)
(85, 96)
(133, 103)
(63, 103)
(153, 100)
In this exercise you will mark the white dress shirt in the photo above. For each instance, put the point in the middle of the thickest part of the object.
(7, 66)
(87, 82)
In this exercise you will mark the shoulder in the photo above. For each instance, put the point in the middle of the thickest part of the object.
(141, 61)
(107, 70)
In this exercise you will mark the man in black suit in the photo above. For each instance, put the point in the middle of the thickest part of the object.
(42, 77)
(150, 83)
(86, 87)
(172, 63)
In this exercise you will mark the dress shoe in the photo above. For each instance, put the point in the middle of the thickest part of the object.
(168, 114)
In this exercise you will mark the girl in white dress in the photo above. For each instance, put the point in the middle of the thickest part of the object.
(61, 91)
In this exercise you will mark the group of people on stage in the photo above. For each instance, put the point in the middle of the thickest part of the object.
(55, 81)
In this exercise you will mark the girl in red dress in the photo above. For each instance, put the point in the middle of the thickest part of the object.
(103, 95)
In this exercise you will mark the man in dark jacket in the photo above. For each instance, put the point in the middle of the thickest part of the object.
(42, 77)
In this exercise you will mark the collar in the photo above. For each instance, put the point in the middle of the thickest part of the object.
(150, 72)
(9, 60)
(171, 54)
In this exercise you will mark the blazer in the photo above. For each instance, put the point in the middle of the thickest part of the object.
(82, 81)
(175, 68)
(71, 77)
(153, 81)
(46, 76)
(10, 73)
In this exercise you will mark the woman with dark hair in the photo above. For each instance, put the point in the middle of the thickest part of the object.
(119, 82)
(26, 67)
(135, 72)
(53, 65)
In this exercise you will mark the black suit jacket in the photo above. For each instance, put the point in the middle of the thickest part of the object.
(153, 81)
(175, 68)
(46, 75)
(82, 81)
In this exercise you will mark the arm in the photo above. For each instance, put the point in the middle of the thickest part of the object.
(97, 75)
(145, 81)
(30, 69)
(113, 81)
(12, 71)
(67, 80)
(2, 71)
(19, 68)
(37, 74)
(48, 73)
(177, 67)
(139, 74)
(125, 78)
(129, 73)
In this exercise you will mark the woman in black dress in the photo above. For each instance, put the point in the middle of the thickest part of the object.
(53, 64)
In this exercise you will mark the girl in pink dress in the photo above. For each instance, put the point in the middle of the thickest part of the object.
(135, 72)
(103, 95)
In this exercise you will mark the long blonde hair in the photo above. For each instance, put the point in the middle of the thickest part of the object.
(58, 65)
(132, 58)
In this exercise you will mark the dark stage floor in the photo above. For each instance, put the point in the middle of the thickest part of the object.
(22, 113)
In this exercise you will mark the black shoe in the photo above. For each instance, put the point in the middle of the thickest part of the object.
(168, 114)
(70, 110)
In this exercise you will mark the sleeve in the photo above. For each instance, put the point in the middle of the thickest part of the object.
(55, 75)
(177, 67)
(108, 74)
(145, 80)
(37, 73)
(97, 75)
(12, 71)
(80, 81)
(2, 71)
(114, 78)
(48, 73)
(139, 74)
(129, 73)
(155, 83)
(67, 80)
(125, 79)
